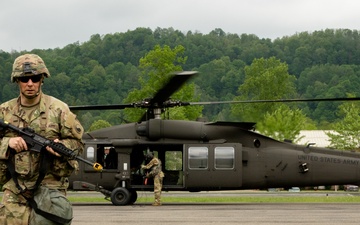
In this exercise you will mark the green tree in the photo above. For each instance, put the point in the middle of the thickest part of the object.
(157, 67)
(99, 124)
(283, 124)
(347, 130)
(327, 81)
(264, 79)
(218, 81)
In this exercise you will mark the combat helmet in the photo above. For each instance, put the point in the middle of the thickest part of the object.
(28, 65)
(149, 156)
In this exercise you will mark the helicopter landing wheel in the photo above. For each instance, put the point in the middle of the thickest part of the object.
(120, 196)
(133, 196)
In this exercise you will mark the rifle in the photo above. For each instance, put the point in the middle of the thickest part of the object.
(36, 142)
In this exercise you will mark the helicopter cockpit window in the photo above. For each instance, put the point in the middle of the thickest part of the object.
(198, 157)
(224, 157)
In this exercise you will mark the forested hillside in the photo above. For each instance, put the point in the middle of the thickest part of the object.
(105, 69)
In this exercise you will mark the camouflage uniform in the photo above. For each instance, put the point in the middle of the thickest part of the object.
(52, 119)
(158, 175)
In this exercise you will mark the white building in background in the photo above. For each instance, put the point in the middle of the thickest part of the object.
(319, 137)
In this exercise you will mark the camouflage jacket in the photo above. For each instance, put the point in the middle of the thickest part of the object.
(155, 168)
(52, 119)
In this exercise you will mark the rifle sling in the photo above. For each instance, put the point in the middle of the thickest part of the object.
(11, 168)
(45, 162)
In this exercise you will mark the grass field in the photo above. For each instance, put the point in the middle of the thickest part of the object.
(263, 198)
(280, 197)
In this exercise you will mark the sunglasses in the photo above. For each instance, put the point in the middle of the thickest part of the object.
(34, 79)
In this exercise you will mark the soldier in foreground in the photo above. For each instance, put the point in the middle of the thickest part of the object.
(156, 173)
(23, 172)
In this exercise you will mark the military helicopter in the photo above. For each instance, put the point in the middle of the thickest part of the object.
(203, 156)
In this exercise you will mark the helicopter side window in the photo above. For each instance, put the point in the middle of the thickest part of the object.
(198, 157)
(90, 153)
(224, 157)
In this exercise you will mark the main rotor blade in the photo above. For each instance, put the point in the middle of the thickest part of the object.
(172, 86)
(277, 100)
(99, 107)
(164, 93)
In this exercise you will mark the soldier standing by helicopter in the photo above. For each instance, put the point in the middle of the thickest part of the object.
(156, 173)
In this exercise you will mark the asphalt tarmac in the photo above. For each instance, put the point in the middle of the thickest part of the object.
(217, 213)
(204, 214)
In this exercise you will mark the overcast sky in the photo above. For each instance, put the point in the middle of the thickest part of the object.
(29, 24)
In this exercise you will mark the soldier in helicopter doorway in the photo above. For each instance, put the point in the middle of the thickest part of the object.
(156, 173)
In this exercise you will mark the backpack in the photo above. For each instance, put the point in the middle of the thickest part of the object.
(50, 207)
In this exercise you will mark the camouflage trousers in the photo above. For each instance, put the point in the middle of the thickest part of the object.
(158, 180)
(14, 209)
